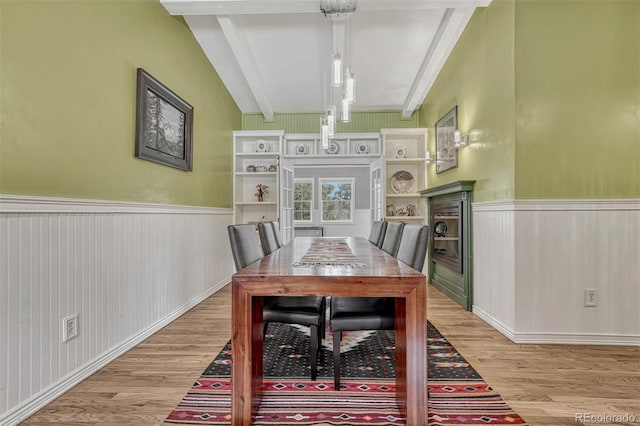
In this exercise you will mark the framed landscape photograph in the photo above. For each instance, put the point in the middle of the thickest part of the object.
(164, 124)
(446, 152)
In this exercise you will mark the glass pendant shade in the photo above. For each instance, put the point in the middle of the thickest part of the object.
(346, 111)
(324, 132)
(350, 87)
(336, 70)
(331, 120)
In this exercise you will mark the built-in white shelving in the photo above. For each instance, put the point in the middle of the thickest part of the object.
(405, 173)
(256, 155)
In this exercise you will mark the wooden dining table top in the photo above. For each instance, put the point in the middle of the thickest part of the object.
(370, 261)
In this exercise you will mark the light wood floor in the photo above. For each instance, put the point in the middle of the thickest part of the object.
(546, 384)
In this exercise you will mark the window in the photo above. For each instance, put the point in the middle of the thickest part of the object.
(302, 200)
(337, 199)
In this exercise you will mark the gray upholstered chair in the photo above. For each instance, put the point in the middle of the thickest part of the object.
(392, 237)
(375, 313)
(413, 245)
(309, 311)
(378, 229)
(268, 238)
(276, 232)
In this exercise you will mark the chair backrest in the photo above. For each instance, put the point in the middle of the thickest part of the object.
(413, 245)
(378, 229)
(267, 237)
(245, 244)
(392, 237)
(276, 232)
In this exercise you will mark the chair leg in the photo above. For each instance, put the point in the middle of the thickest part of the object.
(337, 337)
(313, 351)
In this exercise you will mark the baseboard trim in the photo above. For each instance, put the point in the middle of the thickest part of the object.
(578, 339)
(493, 322)
(558, 338)
(46, 396)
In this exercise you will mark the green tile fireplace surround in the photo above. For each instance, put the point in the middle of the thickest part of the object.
(450, 252)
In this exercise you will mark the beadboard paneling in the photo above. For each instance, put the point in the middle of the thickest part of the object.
(493, 264)
(361, 122)
(126, 269)
(554, 250)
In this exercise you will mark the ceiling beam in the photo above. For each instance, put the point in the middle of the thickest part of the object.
(260, 7)
(451, 26)
(247, 63)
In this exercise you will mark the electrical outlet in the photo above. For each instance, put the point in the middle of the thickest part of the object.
(69, 327)
(590, 297)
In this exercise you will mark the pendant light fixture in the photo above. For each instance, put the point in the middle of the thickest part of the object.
(342, 79)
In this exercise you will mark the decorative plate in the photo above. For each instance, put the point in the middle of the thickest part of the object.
(362, 148)
(333, 148)
(302, 149)
(440, 229)
(402, 182)
(401, 152)
(262, 146)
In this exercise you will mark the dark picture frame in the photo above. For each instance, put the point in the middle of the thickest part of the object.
(164, 124)
(446, 151)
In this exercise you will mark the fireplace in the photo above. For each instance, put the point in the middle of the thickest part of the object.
(446, 247)
(449, 264)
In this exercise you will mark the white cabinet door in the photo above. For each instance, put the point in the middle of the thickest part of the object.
(286, 199)
(377, 189)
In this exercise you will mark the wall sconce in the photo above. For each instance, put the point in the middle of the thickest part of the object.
(428, 158)
(460, 140)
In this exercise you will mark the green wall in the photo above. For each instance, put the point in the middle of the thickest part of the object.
(549, 92)
(361, 122)
(578, 99)
(478, 77)
(67, 92)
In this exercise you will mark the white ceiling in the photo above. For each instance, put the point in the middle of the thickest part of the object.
(273, 55)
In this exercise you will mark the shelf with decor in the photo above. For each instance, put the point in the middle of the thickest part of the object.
(255, 175)
(355, 148)
(255, 203)
(405, 218)
(405, 173)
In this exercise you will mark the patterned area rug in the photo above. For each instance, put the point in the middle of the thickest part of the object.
(458, 395)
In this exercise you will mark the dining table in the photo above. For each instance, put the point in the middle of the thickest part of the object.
(302, 268)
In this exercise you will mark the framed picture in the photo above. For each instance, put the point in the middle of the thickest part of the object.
(164, 124)
(446, 152)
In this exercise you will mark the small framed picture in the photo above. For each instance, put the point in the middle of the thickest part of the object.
(446, 152)
(164, 124)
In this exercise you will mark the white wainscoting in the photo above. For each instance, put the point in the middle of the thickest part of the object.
(533, 260)
(126, 270)
(494, 265)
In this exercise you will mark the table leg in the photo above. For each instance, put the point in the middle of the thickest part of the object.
(411, 360)
(246, 355)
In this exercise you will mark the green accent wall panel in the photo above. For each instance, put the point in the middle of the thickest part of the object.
(478, 77)
(67, 97)
(549, 93)
(577, 99)
(361, 122)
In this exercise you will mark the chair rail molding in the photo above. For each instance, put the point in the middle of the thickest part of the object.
(34, 204)
(126, 269)
(533, 260)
